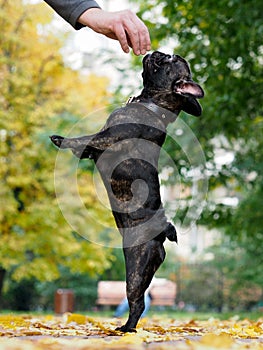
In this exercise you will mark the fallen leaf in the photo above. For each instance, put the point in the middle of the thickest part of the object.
(76, 318)
(222, 341)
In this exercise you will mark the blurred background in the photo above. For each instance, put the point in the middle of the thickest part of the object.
(51, 77)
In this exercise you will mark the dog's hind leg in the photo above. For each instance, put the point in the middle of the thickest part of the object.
(142, 262)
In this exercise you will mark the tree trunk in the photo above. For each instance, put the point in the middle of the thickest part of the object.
(2, 276)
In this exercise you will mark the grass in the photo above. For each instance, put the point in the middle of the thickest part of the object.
(154, 312)
(183, 315)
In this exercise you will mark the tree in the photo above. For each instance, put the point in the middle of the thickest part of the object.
(38, 95)
(223, 43)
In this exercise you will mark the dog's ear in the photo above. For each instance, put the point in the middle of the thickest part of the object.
(192, 106)
(191, 91)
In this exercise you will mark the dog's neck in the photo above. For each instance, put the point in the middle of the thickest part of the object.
(165, 115)
(164, 99)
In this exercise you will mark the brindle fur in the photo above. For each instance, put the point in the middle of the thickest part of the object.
(126, 152)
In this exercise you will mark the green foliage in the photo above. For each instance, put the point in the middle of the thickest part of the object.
(117, 271)
(223, 43)
(21, 296)
(231, 281)
(83, 286)
(31, 294)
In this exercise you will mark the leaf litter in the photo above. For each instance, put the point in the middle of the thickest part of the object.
(83, 332)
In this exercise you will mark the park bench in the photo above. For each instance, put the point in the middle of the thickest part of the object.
(163, 292)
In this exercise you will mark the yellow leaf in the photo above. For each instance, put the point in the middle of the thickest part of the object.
(222, 341)
(130, 338)
(77, 318)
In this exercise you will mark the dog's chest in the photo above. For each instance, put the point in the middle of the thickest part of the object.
(134, 159)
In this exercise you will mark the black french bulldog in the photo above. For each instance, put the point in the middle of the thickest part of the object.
(126, 153)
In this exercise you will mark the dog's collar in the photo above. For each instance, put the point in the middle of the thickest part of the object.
(164, 114)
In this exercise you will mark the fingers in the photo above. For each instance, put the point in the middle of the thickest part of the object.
(131, 31)
(121, 36)
(141, 43)
(123, 26)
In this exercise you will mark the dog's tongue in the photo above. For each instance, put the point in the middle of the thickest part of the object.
(190, 88)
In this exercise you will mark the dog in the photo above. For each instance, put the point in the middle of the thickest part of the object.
(126, 152)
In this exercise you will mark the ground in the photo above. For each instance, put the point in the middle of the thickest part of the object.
(79, 332)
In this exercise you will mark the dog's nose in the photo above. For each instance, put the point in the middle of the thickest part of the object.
(172, 58)
(169, 58)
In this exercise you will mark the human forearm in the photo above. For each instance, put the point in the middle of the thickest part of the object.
(124, 26)
(71, 10)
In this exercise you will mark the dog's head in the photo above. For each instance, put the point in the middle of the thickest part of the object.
(170, 76)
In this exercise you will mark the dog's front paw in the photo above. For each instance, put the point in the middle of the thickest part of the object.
(80, 151)
(126, 329)
(57, 140)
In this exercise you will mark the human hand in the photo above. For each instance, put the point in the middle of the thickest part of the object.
(123, 26)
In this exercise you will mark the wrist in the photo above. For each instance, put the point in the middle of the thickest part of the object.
(88, 16)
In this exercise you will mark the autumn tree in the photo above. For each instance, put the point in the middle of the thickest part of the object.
(39, 95)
